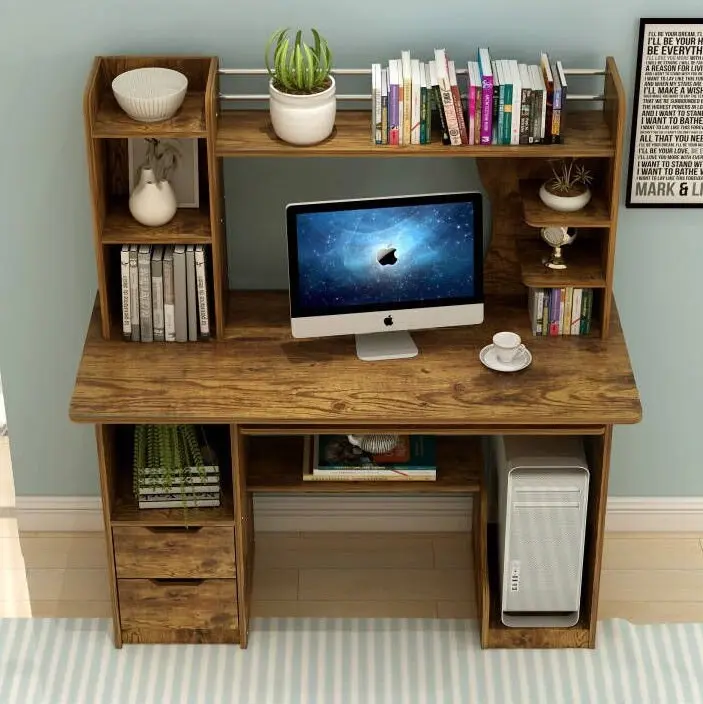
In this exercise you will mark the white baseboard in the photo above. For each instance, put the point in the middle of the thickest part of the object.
(369, 513)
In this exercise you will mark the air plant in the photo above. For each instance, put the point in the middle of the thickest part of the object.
(569, 178)
(161, 157)
(294, 66)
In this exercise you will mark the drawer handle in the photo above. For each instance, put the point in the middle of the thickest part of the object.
(173, 529)
(194, 582)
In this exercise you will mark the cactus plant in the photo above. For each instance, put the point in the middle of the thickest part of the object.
(294, 66)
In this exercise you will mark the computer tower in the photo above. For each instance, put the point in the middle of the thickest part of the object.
(542, 485)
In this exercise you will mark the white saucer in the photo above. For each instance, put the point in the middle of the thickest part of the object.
(488, 356)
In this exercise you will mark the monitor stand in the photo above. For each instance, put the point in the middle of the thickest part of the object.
(385, 345)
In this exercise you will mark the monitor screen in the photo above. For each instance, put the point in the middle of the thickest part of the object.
(391, 253)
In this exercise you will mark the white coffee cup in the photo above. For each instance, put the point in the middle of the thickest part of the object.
(508, 346)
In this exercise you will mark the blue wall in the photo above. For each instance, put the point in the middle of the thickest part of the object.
(47, 277)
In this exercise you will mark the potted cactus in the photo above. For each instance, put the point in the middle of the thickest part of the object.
(302, 90)
(568, 188)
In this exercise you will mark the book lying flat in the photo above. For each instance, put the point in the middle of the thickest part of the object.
(357, 475)
(413, 453)
(180, 503)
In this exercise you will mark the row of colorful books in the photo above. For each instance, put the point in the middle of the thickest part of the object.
(506, 102)
(561, 311)
(164, 293)
(335, 458)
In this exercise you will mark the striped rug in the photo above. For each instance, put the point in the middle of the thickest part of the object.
(347, 661)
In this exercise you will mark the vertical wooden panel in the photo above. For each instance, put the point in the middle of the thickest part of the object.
(480, 529)
(95, 152)
(106, 461)
(614, 110)
(598, 454)
(217, 220)
(242, 528)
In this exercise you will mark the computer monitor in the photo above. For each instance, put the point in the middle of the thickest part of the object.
(378, 267)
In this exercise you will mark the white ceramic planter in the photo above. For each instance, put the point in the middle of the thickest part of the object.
(564, 204)
(152, 202)
(303, 119)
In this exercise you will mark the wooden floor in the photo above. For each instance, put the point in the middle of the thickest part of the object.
(646, 578)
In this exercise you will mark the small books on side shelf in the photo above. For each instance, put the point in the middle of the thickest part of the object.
(336, 459)
(196, 487)
(164, 293)
(561, 311)
(498, 101)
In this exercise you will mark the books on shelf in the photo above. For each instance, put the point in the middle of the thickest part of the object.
(198, 487)
(487, 101)
(165, 293)
(334, 458)
(560, 311)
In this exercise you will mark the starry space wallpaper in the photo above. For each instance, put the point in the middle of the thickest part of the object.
(385, 255)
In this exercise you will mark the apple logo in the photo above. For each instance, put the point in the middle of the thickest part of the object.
(388, 320)
(386, 256)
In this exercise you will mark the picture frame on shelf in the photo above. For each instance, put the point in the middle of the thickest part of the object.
(666, 140)
(185, 178)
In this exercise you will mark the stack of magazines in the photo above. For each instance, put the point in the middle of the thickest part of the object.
(335, 458)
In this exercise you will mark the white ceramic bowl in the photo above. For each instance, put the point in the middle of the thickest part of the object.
(150, 94)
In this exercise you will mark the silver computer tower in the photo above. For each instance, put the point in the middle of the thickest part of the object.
(542, 504)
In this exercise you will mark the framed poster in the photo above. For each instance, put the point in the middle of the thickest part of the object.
(666, 140)
(184, 179)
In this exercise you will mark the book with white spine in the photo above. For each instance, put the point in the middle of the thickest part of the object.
(201, 283)
(416, 86)
(406, 61)
(157, 292)
(191, 294)
(134, 290)
(124, 278)
(517, 101)
(145, 322)
(179, 292)
(169, 299)
(445, 91)
(376, 102)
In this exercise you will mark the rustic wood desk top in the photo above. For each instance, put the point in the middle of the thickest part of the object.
(260, 375)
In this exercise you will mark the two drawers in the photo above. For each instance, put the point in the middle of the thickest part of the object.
(176, 585)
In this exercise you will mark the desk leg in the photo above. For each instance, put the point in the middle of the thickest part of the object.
(243, 532)
(598, 500)
(106, 456)
(479, 510)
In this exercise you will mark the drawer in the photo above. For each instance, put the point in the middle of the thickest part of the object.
(178, 610)
(206, 553)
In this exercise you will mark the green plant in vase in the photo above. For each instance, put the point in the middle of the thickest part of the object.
(302, 90)
(169, 463)
(568, 188)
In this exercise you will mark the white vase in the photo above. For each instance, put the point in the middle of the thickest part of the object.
(564, 204)
(303, 119)
(152, 202)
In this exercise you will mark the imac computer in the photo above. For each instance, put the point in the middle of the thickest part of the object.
(378, 267)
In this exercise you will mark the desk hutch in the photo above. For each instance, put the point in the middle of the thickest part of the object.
(260, 392)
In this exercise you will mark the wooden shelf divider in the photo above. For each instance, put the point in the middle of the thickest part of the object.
(583, 270)
(275, 465)
(537, 214)
(112, 122)
(249, 133)
(188, 226)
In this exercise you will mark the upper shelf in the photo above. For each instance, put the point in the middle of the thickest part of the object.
(189, 121)
(537, 214)
(106, 119)
(188, 226)
(249, 133)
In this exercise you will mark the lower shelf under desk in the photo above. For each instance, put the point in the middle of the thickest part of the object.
(274, 464)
